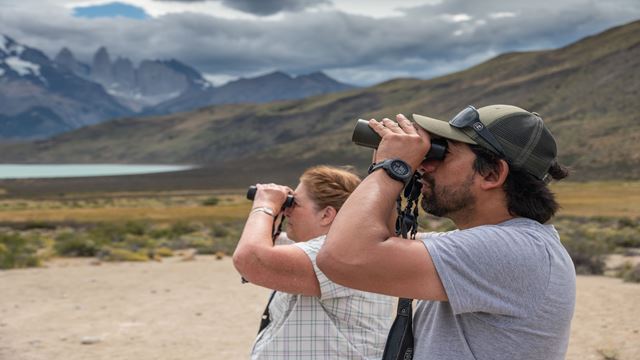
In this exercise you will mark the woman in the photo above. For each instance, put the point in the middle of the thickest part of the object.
(311, 317)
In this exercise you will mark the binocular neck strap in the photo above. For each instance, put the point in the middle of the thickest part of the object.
(400, 344)
(265, 320)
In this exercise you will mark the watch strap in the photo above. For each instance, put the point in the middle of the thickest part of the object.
(385, 164)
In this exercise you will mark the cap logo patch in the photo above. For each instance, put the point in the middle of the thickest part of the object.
(478, 126)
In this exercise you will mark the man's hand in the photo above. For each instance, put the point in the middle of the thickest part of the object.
(401, 140)
(271, 195)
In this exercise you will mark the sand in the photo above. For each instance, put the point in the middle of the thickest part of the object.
(198, 309)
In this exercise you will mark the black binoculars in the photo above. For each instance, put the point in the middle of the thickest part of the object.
(364, 135)
(251, 194)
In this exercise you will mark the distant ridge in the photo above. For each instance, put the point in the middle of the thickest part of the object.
(587, 93)
(261, 89)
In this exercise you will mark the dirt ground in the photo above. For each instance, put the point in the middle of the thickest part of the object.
(182, 310)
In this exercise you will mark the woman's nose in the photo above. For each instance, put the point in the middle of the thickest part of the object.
(287, 211)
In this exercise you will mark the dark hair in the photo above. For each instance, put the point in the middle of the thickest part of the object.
(527, 196)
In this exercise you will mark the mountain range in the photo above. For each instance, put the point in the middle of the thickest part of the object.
(587, 93)
(41, 97)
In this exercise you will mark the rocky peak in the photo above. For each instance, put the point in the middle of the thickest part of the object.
(156, 78)
(9, 47)
(101, 66)
(124, 73)
(66, 60)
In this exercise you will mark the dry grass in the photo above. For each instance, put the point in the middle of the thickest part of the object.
(610, 198)
(161, 214)
(606, 199)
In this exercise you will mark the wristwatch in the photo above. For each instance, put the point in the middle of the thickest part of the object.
(396, 169)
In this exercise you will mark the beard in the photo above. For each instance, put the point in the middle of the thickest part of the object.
(445, 200)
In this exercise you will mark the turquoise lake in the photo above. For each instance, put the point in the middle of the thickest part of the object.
(15, 171)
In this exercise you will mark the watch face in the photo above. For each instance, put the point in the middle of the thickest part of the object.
(399, 167)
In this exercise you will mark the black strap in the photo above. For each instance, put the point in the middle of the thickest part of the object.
(265, 320)
(399, 344)
(266, 316)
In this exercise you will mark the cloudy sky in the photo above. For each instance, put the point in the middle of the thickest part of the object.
(356, 41)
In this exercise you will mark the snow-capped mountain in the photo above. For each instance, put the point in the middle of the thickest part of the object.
(38, 98)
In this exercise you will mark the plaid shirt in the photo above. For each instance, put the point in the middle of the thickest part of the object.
(342, 323)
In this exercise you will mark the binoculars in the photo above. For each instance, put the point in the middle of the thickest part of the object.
(251, 194)
(364, 135)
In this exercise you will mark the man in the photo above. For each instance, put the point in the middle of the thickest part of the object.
(501, 286)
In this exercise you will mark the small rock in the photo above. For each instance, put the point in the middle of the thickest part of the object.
(90, 340)
(189, 255)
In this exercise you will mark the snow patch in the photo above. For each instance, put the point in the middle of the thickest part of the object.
(1, 72)
(10, 48)
(23, 67)
(203, 84)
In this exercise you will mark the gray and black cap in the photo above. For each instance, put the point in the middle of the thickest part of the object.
(526, 141)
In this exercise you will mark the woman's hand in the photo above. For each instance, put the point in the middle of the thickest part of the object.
(272, 196)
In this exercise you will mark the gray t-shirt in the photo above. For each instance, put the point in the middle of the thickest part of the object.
(511, 290)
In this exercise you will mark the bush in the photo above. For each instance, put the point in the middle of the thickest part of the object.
(212, 201)
(163, 252)
(587, 248)
(629, 272)
(202, 242)
(17, 251)
(75, 243)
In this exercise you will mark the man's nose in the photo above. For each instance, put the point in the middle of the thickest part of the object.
(429, 166)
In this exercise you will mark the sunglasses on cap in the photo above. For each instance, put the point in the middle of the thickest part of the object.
(469, 118)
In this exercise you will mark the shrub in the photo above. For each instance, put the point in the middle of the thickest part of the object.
(75, 243)
(202, 242)
(180, 228)
(629, 273)
(587, 249)
(219, 230)
(163, 251)
(212, 201)
(17, 251)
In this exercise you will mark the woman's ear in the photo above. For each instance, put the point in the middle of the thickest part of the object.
(496, 177)
(328, 214)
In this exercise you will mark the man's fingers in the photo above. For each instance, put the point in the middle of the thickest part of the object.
(405, 124)
(378, 127)
(392, 125)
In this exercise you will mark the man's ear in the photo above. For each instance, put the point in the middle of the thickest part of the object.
(328, 214)
(496, 177)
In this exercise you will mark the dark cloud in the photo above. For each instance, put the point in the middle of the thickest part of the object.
(264, 7)
(425, 42)
(270, 7)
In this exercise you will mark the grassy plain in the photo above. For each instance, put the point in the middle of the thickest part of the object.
(166, 207)
(590, 199)
(602, 199)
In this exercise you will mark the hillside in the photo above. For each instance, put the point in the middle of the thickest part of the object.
(587, 93)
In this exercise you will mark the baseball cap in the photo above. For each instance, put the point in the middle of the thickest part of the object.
(517, 135)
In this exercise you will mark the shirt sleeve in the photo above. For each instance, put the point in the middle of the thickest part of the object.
(328, 289)
(491, 269)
